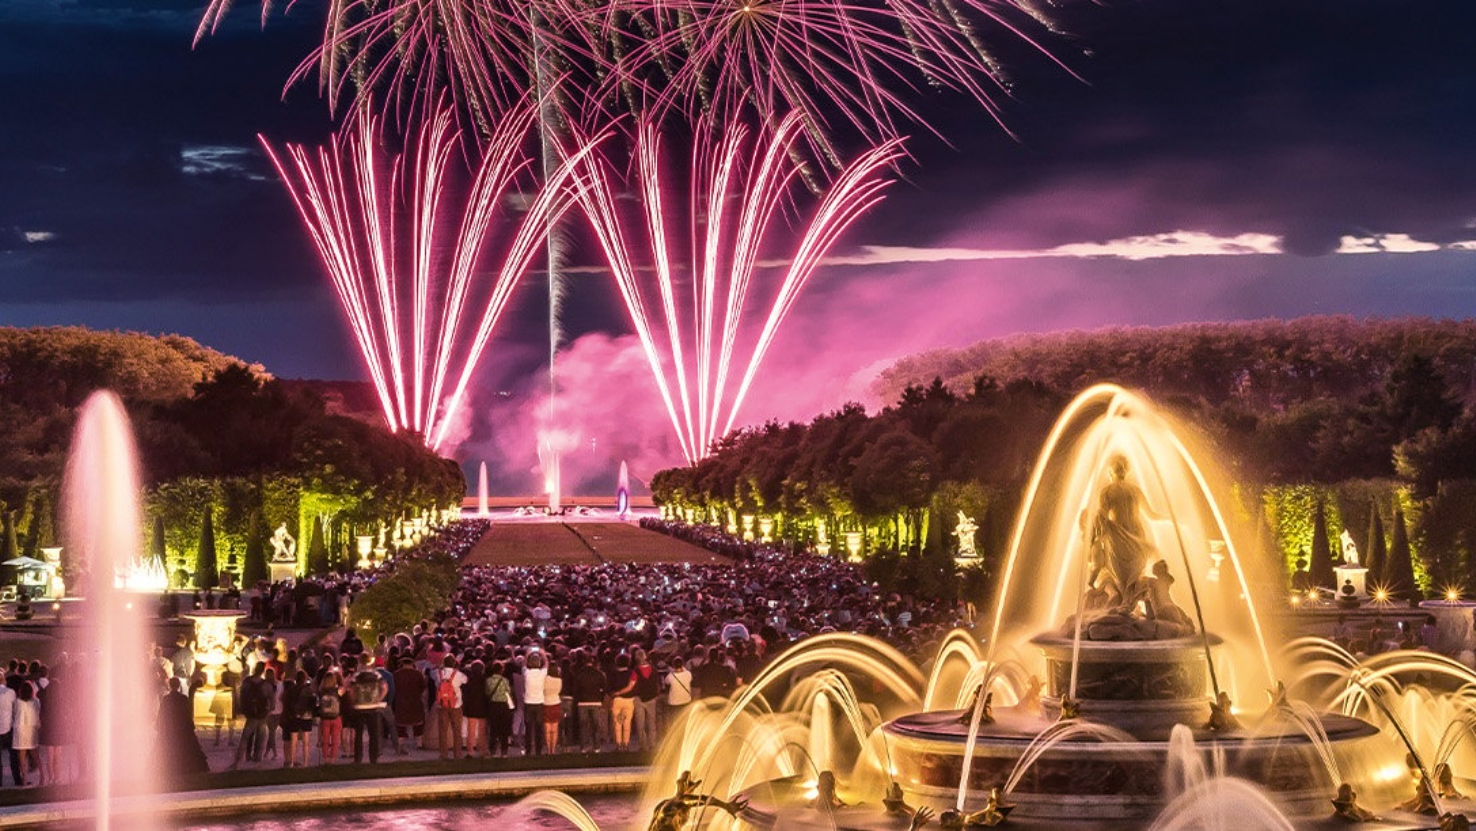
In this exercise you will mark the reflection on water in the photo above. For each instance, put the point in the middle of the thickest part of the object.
(613, 813)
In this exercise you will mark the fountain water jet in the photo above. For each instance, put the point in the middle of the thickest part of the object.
(482, 490)
(102, 531)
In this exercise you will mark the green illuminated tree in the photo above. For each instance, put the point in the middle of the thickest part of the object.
(1400, 576)
(317, 562)
(1377, 550)
(9, 545)
(207, 575)
(1322, 563)
(254, 569)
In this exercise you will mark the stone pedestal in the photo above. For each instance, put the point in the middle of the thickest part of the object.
(1355, 575)
(281, 570)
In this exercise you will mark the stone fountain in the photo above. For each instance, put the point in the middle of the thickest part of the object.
(1125, 667)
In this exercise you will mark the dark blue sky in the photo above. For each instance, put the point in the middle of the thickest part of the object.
(1320, 150)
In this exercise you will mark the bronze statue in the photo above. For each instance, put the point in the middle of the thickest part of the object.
(1445, 782)
(895, 802)
(920, 818)
(826, 798)
(1346, 806)
(1423, 801)
(1221, 717)
(1070, 708)
(674, 812)
(987, 717)
(994, 813)
(1452, 821)
(1119, 528)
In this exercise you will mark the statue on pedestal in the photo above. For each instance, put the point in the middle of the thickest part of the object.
(1350, 549)
(965, 530)
(284, 547)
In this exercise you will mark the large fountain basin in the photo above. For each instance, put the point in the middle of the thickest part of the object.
(1113, 779)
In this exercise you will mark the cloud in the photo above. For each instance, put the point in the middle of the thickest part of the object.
(215, 160)
(1389, 244)
(1135, 248)
(34, 237)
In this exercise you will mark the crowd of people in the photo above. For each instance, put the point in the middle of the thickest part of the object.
(526, 660)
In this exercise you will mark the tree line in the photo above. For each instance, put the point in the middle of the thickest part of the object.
(227, 451)
(1352, 418)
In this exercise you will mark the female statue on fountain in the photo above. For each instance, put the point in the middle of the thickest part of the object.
(1119, 529)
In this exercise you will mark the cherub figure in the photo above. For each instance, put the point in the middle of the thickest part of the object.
(674, 812)
(1221, 718)
(895, 802)
(1423, 801)
(994, 813)
(987, 717)
(1445, 782)
(1070, 708)
(1346, 806)
(826, 798)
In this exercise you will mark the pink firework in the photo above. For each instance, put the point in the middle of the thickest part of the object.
(485, 55)
(408, 259)
(838, 63)
(703, 300)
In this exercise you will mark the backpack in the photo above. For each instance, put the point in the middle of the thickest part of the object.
(446, 692)
(305, 704)
(366, 688)
(328, 704)
(498, 690)
(254, 703)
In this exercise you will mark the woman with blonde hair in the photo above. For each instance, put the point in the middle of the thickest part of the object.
(553, 710)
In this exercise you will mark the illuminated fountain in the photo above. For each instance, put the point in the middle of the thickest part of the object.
(215, 633)
(102, 531)
(622, 492)
(482, 490)
(1125, 678)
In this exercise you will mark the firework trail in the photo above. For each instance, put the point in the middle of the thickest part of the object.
(840, 64)
(406, 256)
(695, 307)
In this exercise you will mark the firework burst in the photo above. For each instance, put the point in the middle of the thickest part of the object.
(704, 301)
(840, 64)
(407, 257)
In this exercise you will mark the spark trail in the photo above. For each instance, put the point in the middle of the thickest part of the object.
(407, 257)
(855, 65)
(696, 308)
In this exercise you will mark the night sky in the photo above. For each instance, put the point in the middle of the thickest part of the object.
(1215, 161)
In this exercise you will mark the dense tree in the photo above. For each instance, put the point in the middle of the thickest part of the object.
(9, 542)
(1321, 566)
(207, 574)
(1400, 579)
(1376, 550)
(317, 559)
(254, 568)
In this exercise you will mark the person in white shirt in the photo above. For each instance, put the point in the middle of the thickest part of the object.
(7, 721)
(535, 674)
(678, 689)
